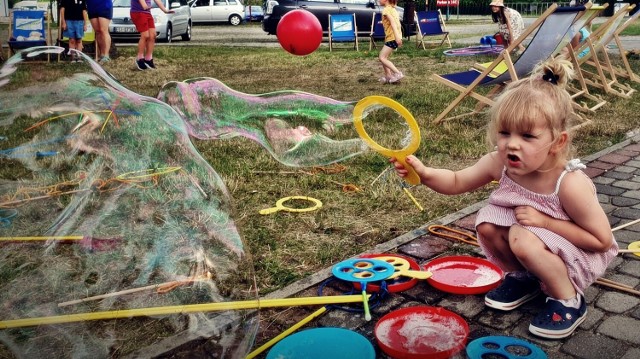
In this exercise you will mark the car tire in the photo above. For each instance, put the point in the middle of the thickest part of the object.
(187, 35)
(169, 34)
(235, 20)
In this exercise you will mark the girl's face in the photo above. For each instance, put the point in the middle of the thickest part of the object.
(495, 8)
(525, 152)
(382, 2)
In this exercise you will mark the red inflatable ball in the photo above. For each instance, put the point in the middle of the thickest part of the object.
(299, 32)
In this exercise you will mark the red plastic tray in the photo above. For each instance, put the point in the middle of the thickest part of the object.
(421, 333)
(463, 274)
(395, 285)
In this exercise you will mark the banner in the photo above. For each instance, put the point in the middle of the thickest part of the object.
(443, 3)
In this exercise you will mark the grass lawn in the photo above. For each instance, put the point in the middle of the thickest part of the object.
(289, 246)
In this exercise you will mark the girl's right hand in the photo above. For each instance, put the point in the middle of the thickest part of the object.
(400, 168)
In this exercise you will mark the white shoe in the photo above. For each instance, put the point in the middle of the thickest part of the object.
(383, 80)
(396, 78)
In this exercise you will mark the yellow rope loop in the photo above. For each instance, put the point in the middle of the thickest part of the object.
(440, 231)
(145, 175)
(335, 168)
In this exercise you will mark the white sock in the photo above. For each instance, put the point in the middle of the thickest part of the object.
(574, 302)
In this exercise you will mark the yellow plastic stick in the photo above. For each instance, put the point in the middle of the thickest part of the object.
(42, 238)
(179, 309)
(413, 199)
(282, 335)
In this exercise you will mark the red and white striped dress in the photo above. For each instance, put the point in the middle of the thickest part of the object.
(584, 267)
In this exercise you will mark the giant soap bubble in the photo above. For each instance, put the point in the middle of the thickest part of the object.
(105, 205)
(293, 126)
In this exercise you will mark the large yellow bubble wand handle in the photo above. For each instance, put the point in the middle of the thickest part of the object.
(412, 177)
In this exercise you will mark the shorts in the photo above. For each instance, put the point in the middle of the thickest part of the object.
(143, 21)
(75, 29)
(104, 13)
(392, 44)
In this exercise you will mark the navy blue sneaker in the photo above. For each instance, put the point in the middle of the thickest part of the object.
(141, 65)
(512, 293)
(150, 64)
(557, 321)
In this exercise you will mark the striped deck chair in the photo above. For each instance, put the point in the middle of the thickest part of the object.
(600, 73)
(23, 28)
(550, 31)
(625, 71)
(343, 28)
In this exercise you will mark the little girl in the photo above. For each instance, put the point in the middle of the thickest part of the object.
(392, 40)
(543, 226)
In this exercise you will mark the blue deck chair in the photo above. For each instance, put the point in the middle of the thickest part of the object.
(377, 30)
(431, 23)
(24, 24)
(550, 29)
(343, 28)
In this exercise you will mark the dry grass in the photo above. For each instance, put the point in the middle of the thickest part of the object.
(288, 246)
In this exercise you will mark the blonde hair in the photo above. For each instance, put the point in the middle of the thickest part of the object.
(540, 96)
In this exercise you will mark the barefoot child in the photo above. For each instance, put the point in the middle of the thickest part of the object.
(543, 226)
(73, 21)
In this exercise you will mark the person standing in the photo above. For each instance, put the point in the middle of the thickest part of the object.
(73, 21)
(141, 17)
(392, 40)
(100, 14)
(510, 23)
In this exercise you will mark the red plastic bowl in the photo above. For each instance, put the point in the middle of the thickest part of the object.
(463, 274)
(395, 285)
(421, 333)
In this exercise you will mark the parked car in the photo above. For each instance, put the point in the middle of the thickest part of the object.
(168, 26)
(253, 13)
(231, 11)
(364, 9)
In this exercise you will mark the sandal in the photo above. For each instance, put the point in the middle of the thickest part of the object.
(557, 321)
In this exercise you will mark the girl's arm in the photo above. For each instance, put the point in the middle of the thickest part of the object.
(161, 6)
(445, 181)
(507, 18)
(63, 22)
(588, 229)
(396, 31)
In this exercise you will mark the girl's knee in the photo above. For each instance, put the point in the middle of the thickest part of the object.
(487, 231)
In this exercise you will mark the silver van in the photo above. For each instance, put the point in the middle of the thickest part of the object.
(167, 26)
(231, 11)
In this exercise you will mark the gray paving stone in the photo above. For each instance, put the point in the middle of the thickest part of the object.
(618, 175)
(616, 302)
(626, 169)
(499, 320)
(630, 194)
(627, 213)
(603, 180)
(627, 184)
(587, 345)
(621, 327)
(633, 353)
(609, 190)
(467, 306)
(594, 315)
(624, 201)
(632, 267)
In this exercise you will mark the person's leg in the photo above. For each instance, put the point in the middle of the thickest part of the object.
(495, 241)
(103, 39)
(72, 46)
(151, 43)
(548, 267)
(384, 60)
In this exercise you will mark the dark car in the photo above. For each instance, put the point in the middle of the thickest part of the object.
(364, 9)
(253, 13)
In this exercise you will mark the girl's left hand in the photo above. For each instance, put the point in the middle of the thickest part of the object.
(529, 216)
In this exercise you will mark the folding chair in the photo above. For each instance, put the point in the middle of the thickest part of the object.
(626, 71)
(431, 23)
(28, 28)
(596, 73)
(343, 28)
(377, 30)
(550, 31)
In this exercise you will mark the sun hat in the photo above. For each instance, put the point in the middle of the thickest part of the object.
(497, 3)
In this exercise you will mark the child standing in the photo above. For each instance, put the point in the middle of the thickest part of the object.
(73, 21)
(543, 226)
(392, 40)
(141, 17)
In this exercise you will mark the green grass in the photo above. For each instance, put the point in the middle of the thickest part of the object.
(289, 246)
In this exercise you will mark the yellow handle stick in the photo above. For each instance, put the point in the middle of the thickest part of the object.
(179, 309)
(413, 199)
(282, 335)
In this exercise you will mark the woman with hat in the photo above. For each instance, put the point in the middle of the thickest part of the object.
(510, 23)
